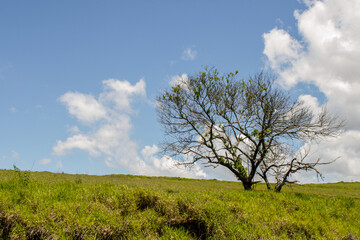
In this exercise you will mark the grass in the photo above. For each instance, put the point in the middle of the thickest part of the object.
(43, 205)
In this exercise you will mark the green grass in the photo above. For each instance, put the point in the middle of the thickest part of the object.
(45, 205)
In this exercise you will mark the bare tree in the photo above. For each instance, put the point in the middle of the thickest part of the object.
(222, 120)
(283, 161)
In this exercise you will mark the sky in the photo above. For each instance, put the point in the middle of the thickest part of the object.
(79, 79)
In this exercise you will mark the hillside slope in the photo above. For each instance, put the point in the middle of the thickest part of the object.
(42, 205)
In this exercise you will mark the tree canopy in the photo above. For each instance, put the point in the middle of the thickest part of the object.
(248, 126)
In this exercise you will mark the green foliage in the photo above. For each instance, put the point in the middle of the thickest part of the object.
(240, 168)
(63, 206)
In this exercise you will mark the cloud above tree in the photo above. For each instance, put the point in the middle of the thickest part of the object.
(327, 56)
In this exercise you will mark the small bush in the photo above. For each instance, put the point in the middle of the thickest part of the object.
(23, 177)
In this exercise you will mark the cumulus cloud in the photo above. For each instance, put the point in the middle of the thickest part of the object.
(312, 102)
(189, 54)
(108, 118)
(283, 54)
(79, 141)
(120, 92)
(83, 106)
(346, 151)
(327, 56)
(167, 165)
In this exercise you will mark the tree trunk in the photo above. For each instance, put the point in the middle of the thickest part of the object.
(247, 185)
(278, 187)
(268, 185)
(266, 181)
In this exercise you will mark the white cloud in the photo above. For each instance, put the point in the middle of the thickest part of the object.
(120, 92)
(167, 166)
(14, 155)
(346, 147)
(311, 102)
(45, 161)
(346, 153)
(189, 54)
(73, 129)
(178, 79)
(327, 56)
(79, 141)
(110, 138)
(83, 106)
(13, 110)
(280, 48)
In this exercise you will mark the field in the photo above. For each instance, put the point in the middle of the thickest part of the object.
(43, 205)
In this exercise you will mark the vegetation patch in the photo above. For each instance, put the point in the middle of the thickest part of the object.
(64, 206)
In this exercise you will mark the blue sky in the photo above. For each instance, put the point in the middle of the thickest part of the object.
(57, 55)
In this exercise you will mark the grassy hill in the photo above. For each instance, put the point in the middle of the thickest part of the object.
(43, 205)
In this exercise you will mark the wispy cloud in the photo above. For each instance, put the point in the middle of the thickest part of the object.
(45, 161)
(73, 129)
(189, 54)
(59, 165)
(13, 155)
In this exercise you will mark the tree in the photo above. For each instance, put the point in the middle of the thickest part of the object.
(242, 125)
(281, 163)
